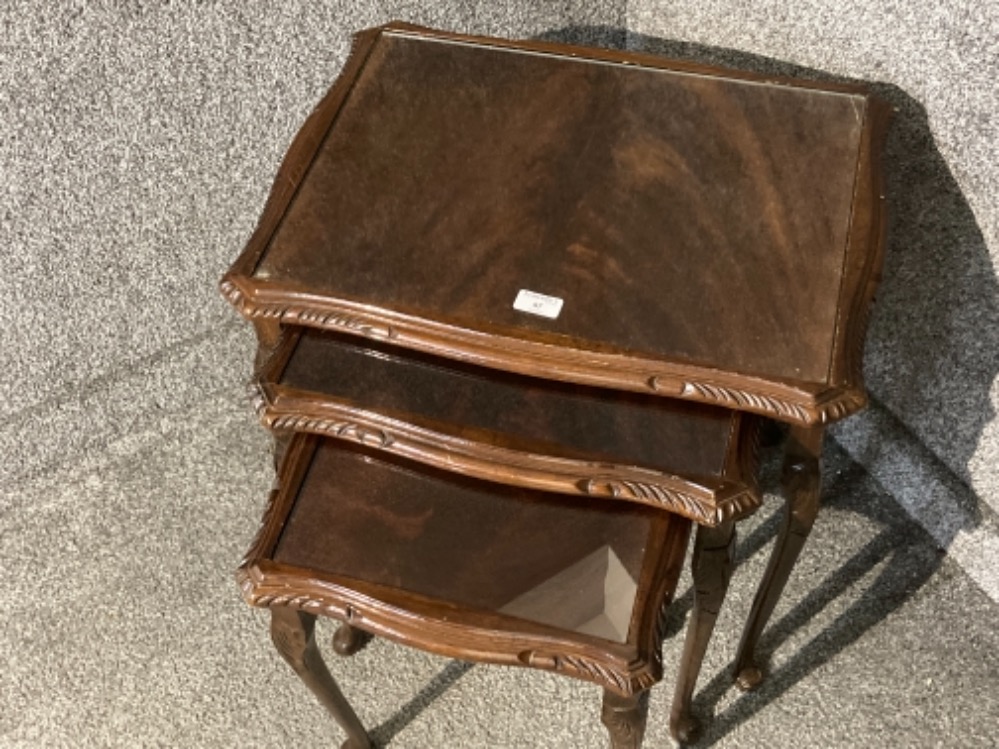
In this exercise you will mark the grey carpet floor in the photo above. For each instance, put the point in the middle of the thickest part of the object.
(137, 145)
(124, 627)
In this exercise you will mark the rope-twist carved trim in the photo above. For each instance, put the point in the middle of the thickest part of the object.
(303, 315)
(687, 504)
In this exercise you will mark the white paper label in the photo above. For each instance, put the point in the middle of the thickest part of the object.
(534, 303)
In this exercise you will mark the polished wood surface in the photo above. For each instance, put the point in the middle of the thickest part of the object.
(709, 235)
(711, 568)
(433, 559)
(801, 482)
(713, 237)
(625, 719)
(696, 460)
(293, 635)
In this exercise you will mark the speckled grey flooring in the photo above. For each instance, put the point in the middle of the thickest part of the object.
(137, 144)
(123, 625)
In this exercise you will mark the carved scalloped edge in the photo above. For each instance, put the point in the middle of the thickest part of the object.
(577, 370)
(700, 509)
(741, 399)
(250, 581)
(256, 593)
(302, 315)
(296, 422)
(846, 404)
(779, 408)
(344, 429)
(687, 505)
(231, 293)
(736, 506)
(587, 669)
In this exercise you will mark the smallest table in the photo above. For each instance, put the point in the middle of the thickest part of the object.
(466, 569)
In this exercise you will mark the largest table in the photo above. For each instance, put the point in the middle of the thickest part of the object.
(595, 217)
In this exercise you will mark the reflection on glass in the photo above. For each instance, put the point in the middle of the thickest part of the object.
(515, 411)
(568, 562)
(594, 596)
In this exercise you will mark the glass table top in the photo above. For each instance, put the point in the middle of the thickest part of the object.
(663, 208)
(575, 564)
(515, 411)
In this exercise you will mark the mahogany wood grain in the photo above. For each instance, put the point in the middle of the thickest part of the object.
(293, 634)
(693, 459)
(801, 482)
(430, 559)
(668, 205)
(714, 236)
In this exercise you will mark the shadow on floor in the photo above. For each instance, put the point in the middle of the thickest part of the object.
(925, 362)
(929, 359)
(382, 734)
(938, 278)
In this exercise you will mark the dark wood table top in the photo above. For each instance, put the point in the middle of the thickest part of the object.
(709, 235)
(696, 460)
(467, 568)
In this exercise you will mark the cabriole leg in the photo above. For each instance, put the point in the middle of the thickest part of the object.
(800, 482)
(293, 633)
(711, 568)
(625, 718)
(348, 640)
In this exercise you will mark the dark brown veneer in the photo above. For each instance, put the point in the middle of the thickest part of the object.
(664, 202)
(429, 558)
(689, 458)
(712, 236)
